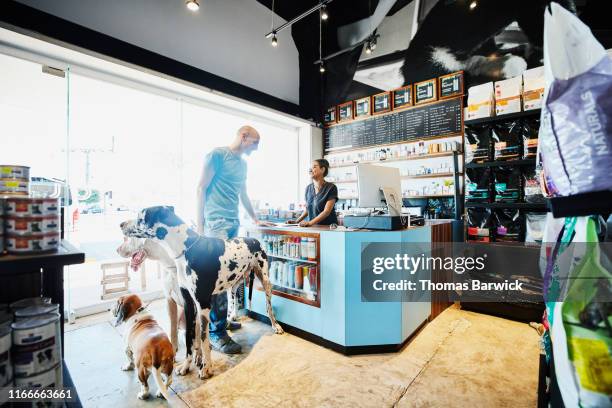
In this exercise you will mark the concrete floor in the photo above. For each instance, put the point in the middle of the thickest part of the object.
(460, 359)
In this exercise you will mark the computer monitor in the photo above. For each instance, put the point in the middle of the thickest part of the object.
(377, 185)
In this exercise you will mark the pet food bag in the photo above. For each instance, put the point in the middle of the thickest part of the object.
(507, 137)
(530, 138)
(508, 225)
(576, 121)
(478, 147)
(479, 224)
(532, 192)
(478, 185)
(507, 184)
(534, 227)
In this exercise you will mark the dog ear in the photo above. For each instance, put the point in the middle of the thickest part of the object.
(119, 312)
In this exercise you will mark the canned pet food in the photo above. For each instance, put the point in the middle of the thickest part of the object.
(51, 378)
(16, 244)
(6, 368)
(31, 207)
(36, 345)
(6, 318)
(9, 171)
(35, 311)
(31, 225)
(26, 302)
(14, 186)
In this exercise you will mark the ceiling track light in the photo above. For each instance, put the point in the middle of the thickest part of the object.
(318, 7)
(473, 5)
(192, 5)
(274, 40)
(324, 15)
(322, 67)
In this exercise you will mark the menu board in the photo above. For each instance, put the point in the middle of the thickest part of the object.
(420, 122)
(425, 91)
(402, 97)
(381, 102)
(345, 111)
(330, 116)
(451, 85)
(362, 107)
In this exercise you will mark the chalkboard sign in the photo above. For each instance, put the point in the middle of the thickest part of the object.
(443, 118)
(425, 91)
(381, 103)
(402, 97)
(451, 85)
(345, 111)
(362, 107)
(330, 116)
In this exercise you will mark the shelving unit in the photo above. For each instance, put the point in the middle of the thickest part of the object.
(398, 159)
(523, 162)
(523, 206)
(312, 297)
(501, 118)
(431, 175)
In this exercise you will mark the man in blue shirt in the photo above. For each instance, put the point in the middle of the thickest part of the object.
(222, 186)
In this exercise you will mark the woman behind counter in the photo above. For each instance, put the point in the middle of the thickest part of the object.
(321, 197)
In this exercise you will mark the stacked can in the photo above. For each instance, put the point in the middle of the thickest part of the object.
(14, 180)
(6, 368)
(32, 225)
(36, 343)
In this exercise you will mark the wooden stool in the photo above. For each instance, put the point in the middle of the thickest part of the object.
(113, 279)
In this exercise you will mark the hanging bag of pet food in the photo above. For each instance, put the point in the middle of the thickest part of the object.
(576, 120)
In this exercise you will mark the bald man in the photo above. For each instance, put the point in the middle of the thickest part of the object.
(222, 186)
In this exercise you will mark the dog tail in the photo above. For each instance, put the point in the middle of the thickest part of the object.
(251, 279)
(161, 386)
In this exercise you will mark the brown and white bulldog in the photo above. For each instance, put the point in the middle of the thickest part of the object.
(148, 348)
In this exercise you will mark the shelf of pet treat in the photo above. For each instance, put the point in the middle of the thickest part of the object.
(500, 118)
(430, 175)
(301, 295)
(397, 159)
(287, 258)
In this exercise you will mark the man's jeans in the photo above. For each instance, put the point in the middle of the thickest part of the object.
(222, 229)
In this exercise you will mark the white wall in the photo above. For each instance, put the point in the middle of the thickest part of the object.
(225, 37)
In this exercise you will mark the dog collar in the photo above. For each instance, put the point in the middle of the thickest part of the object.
(190, 246)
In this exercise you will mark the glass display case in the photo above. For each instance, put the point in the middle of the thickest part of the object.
(294, 266)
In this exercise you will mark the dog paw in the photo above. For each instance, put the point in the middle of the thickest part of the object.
(205, 372)
(159, 395)
(128, 367)
(278, 329)
(143, 395)
(183, 367)
(198, 360)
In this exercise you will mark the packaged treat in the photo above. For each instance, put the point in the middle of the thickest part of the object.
(508, 225)
(508, 95)
(534, 228)
(479, 224)
(480, 101)
(533, 88)
(507, 184)
(507, 137)
(478, 146)
(478, 185)
(532, 192)
(530, 138)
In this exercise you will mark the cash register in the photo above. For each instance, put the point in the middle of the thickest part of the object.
(379, 195)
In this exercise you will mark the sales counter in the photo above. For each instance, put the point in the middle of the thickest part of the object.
(325, 306)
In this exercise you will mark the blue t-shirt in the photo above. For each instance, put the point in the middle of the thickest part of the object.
(223, 193)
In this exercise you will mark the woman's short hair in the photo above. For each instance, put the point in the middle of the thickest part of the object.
(325, 164)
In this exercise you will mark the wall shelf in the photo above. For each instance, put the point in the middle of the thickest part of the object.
(431, 175)
(500, 118)
(524, 162)
(292, 259)
(397, 159)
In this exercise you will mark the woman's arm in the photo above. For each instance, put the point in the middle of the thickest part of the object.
(300, 218)
(329, 207)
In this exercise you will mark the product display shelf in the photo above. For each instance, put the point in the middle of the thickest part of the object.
(509, 116)
(312, 298)
(395, 159)
(523, 162)
(430, 175)
(523, 206)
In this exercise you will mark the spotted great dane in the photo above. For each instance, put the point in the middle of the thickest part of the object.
(205, 267)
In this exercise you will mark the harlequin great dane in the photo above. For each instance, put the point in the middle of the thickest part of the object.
(205, 267)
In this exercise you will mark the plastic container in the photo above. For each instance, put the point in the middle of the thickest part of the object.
(26, 302)
(299, 276)
(36, 345)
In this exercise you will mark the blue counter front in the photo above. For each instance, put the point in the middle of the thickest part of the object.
(343, 321)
